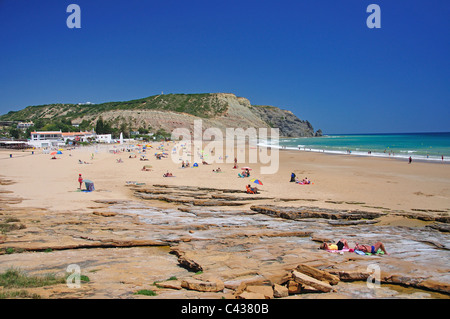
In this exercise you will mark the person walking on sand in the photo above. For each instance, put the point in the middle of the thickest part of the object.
(80, 180)
(410, 160)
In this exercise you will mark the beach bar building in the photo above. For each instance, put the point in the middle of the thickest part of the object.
(14, 144)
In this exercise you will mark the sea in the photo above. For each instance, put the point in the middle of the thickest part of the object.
(419, 146)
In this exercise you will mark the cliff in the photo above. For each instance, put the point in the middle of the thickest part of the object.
(289, 124)
(172, 111)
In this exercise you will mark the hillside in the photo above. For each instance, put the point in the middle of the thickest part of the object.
(171, 111)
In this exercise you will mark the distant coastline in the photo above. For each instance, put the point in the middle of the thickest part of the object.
(427, 147)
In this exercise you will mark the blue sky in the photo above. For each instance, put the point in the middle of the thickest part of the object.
(316, 58)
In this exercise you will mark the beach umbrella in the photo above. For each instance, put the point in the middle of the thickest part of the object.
(246, 168)
(59, 152)
(256, 181)
(53, 153)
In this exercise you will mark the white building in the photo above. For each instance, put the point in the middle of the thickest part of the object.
(24, 125)
(104, 138)
(46, 139)
(57, 138)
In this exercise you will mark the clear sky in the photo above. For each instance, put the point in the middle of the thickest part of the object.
(316, 58)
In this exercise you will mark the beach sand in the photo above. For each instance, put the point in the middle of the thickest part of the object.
(338, 181)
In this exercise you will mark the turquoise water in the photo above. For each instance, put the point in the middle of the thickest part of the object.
(422, 146)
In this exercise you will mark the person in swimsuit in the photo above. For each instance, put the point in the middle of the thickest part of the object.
(338, 246)
(371, 249)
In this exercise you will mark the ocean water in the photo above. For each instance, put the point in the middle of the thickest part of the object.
(420, 146)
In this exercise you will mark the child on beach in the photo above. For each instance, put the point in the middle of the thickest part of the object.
(80, 180)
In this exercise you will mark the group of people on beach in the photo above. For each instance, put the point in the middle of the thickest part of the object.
(304, 181)
(251, 190)
(184, 165)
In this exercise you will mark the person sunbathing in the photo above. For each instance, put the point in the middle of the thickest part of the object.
(341, 244)
(371, 249)
(251, 190)
(304, 181)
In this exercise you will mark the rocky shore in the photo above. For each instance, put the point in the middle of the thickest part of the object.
(222, 243)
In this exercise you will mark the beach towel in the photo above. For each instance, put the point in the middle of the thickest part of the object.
(379, 252)
(338, 251)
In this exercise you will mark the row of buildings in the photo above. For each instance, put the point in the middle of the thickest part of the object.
(50, 139)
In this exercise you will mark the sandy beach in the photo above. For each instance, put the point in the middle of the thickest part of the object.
(110, 227)
(374, 183)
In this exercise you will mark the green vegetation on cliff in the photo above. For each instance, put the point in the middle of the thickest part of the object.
(201, 105)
